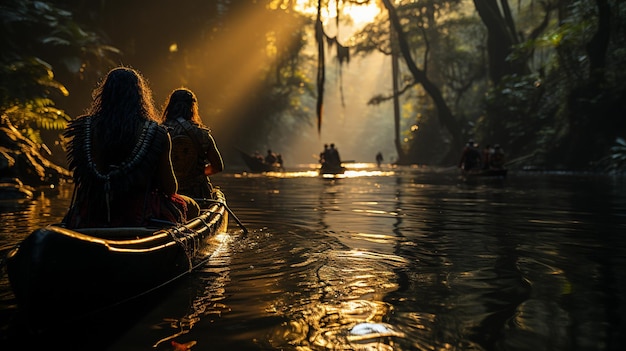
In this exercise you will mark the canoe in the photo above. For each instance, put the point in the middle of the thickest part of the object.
(499, 173)
(63, 274)
(331, 169)
(257, 166)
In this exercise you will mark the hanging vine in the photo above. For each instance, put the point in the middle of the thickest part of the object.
(343, 55)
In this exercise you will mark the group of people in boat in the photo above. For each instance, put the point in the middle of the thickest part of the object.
(133, 166)
(271, 158)
(489, 158)
(329, 157)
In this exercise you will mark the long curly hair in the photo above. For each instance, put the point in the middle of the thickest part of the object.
(121, 104)
(183, 103)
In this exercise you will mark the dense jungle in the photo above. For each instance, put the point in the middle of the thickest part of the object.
(544, 79)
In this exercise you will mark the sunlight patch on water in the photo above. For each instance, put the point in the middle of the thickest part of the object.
(371, 212)
(287, 174)
(377, 238)
(341, 306)
(314, 173)
(393, 260)
(355, 174)
(366, 331)
(348, 325)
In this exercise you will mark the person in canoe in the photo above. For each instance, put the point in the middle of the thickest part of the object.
(195, 155)
(258, 157)
(120, 159)
(331, 156)
(330, 160)
(470, 157)
(279, 160)
(270, 157)
(379, 159)
(496, 161)
(486, 156)
(323, 155)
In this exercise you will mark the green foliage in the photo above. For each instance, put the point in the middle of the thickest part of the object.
(25, 88)
(516, 113)
(40, 113)
(37, 39)
(563, 109)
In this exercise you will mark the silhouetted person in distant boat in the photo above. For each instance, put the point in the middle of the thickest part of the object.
(279, 160)
(470, 157)
(257, 155)
(486, 155)
(497, 158)
(195, 155)
(379, 159)
(323, 155)
(120, 158)
(332, 156)
(270, 158)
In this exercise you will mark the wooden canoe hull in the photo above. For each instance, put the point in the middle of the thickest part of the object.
(486, 173)
(59, 274)
(330, 169)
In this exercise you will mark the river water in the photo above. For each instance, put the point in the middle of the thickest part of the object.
(381, 259)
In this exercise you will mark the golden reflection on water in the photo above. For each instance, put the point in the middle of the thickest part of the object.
(359, 173)
(346, 310)
(346, 325)
(206, 301)
(353, 170)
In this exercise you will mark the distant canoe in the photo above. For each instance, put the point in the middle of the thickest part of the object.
(497, 173)
(257, 166)
(332, 169)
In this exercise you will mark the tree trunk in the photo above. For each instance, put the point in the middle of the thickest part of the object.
(598, 45)
(396, 102)
(321, 66)
(444, 113)
(500, 38)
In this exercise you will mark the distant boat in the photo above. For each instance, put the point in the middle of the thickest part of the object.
(496, 173)
(332, 169)
(257, 165)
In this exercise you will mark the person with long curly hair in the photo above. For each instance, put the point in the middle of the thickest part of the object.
(195, 155)
(120, 159)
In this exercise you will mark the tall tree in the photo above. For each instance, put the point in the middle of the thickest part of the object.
(503, 36)
(395, 75)
(599, 43)
(445, 114)
(321, 65)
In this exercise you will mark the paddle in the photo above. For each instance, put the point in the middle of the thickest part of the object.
(230, 212)
(519, 159)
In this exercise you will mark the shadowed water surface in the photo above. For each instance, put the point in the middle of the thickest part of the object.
(390, 259)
